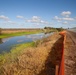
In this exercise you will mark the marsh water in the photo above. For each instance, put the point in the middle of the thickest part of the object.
(6, 44)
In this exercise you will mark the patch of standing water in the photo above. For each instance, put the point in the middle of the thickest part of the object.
(7, 43)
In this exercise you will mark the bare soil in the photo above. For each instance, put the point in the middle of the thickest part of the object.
(70, 53)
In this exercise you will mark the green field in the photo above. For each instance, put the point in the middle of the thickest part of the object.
(18, 34)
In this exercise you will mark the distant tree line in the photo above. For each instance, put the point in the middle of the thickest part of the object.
(60, 29)
(53, 29)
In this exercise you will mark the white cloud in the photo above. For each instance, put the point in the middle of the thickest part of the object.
(11, 22)
(44, 22)
(66, 13)
(64, 18)
(65, 22)
(57, 18)
(36, 19)
(28, 21)
(4, 18)
(68, 19)
(37, 24)
(59, 21)
(21, 17)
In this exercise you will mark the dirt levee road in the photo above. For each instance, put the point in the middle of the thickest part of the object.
(70, 53)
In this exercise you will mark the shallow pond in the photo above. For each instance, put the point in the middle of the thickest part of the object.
(7, 43)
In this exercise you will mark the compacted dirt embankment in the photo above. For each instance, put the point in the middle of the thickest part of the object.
(54, 56)
(70, 53)
(40, 60)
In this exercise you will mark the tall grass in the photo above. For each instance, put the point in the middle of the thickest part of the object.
(12, 55)
(27, 59)
(24, 59)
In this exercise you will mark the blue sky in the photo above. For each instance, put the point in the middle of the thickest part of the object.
(37, 13)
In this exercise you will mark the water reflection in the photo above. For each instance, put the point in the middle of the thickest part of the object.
(7, 43)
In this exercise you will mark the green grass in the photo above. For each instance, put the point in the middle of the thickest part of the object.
(18, 34)
(15, 51)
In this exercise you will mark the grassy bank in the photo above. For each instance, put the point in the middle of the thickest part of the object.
(14, 53)
(19, 33)
(34, 58)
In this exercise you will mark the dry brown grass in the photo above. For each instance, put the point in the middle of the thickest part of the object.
(32, 60)
(8, 31)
